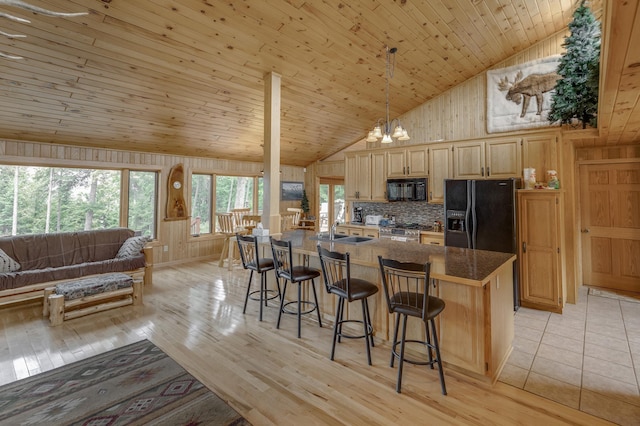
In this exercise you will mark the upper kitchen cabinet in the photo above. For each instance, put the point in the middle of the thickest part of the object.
(540, 152)
(499, 158)
(407, 162)
(440, 168)
(365, 178)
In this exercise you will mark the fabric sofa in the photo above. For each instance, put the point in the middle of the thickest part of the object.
(44, 259)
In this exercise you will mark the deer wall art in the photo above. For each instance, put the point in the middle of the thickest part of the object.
(524, 88)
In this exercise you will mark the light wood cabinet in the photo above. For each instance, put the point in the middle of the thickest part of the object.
(499, 158)
(540, 249)
(540, 152)
(342, 230)
(432, 238)
(440, 168)
(407, 162)
(365, 177)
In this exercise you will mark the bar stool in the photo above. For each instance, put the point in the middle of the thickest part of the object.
(406, 287)
(283, 259)
(250, 256)
(336, 270)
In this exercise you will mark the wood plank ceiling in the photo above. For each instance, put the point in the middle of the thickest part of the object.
(185, 77)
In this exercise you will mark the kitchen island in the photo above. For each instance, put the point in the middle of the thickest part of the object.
(476, 327)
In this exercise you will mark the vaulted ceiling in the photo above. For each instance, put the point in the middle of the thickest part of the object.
(186, 77)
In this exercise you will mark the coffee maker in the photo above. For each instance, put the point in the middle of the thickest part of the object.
(357, 215)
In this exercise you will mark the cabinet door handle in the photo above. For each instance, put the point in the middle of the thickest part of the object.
(585, 231)
(488, 171)
(482, 171)
(404, 170)
(408, 170)
(524, 247)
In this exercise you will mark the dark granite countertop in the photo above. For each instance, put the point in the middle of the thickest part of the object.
(464, 266)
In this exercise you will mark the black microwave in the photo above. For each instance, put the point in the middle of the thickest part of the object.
(407, 189)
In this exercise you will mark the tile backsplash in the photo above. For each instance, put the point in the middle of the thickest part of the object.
(419, 212)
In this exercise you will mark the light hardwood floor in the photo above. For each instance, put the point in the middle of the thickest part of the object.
(194, 313)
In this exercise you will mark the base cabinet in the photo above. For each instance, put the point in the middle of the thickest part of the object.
(540, 249)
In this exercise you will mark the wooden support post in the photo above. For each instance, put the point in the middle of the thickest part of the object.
(137, 293)
(56, 309)
(45, 304)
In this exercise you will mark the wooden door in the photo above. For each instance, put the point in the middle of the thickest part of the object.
(416, 161)
(540, 153)
(396, 163)
(610, 225)
(468, 160)
(503, 158)
(350, 177)
(440, 168)
(539, 249)
(378, 176)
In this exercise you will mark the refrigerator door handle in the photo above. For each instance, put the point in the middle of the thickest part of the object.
(472, 230)
(468, 213)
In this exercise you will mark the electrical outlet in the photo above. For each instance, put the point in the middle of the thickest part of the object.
(166, 248)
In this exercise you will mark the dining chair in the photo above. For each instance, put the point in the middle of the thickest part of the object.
(225, 222)
(285, 270)
(406, 288)
(251, 260)
(336, 271)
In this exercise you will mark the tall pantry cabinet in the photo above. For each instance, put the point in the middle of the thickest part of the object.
(540, 249)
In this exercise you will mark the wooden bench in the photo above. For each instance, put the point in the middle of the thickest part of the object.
(88, 295)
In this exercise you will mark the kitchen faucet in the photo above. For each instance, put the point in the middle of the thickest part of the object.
(332, 231)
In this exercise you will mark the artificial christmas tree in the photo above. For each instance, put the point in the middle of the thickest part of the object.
(304, 203)
(576, 92)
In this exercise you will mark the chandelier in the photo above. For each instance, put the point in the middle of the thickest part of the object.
(382, 129)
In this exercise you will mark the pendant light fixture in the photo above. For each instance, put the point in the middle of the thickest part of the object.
(384, 126)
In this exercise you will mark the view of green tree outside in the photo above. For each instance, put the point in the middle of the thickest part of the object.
(143, 193)
(50, 199)
(233, 192)
(201, 204)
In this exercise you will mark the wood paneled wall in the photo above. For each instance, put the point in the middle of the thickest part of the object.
(460, 113)
(175, 234)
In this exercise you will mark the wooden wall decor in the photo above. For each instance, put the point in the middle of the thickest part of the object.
(176, 207)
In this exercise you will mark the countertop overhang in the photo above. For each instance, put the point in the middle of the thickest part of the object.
(460, 265)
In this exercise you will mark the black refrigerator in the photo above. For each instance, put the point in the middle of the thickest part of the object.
(481, 214)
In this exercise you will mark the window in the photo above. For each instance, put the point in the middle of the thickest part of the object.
(233, 192)
(331, 193)
(201, 204)
(143, 194)
(52, 199)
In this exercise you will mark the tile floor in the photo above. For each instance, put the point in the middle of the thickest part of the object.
(587, 358)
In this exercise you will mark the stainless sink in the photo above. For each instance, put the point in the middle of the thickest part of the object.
(325, 237)
(343, 239)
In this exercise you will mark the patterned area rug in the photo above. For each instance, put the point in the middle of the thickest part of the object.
(136, 384)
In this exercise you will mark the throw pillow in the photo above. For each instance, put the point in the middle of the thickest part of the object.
(132, 247)
(7, 264)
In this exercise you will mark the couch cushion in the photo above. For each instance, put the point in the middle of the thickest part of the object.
(7, 264)
(93, 285)
(132, 247)
(12, 280)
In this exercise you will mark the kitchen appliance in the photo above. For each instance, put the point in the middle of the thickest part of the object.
(373, 219)
(407, 189)
(406, 232)
(481, 214)
(357, 215)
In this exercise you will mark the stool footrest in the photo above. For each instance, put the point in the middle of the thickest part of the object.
(413, 361)
(302, 302)
(348, 336)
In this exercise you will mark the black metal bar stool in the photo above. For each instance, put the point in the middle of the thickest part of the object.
(250, 256)
(336, 271)
(406, 287)
(283, 259)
